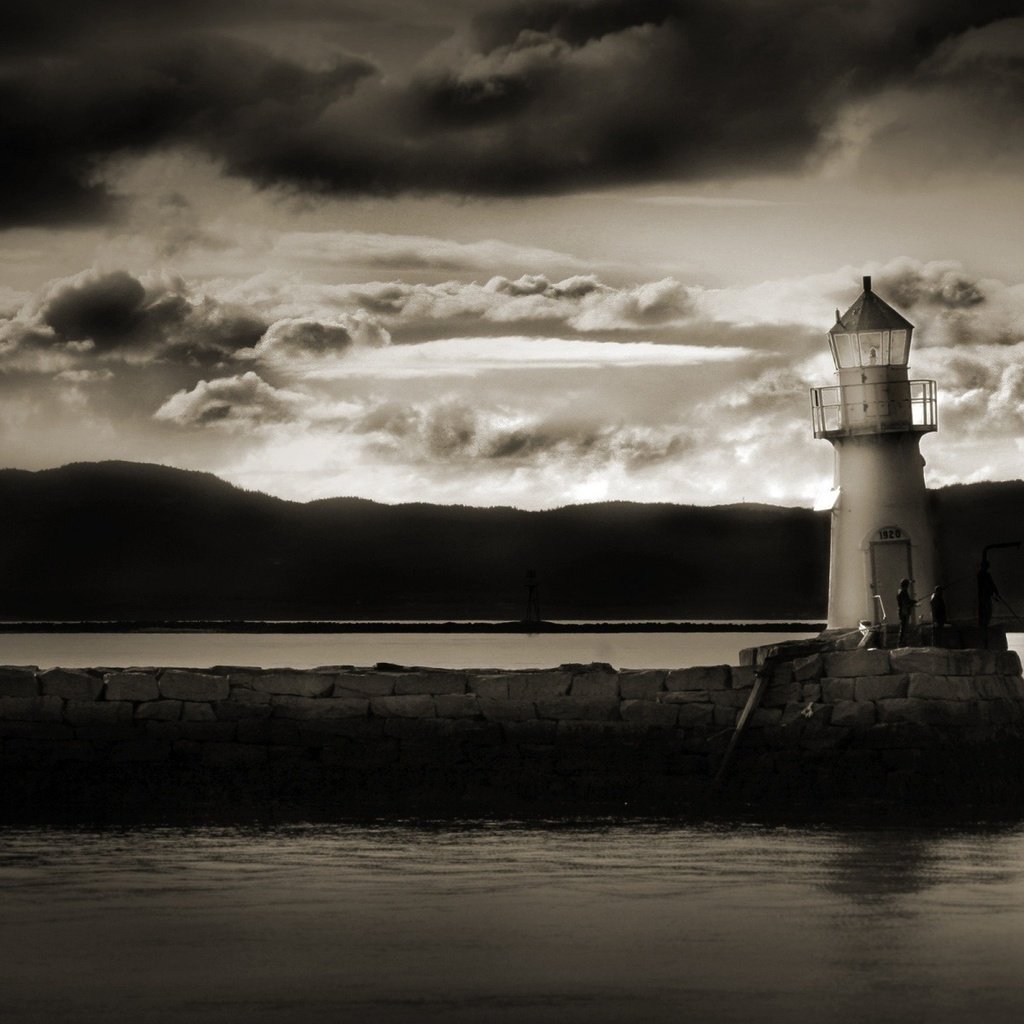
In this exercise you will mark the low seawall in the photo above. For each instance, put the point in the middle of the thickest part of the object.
(915, 729)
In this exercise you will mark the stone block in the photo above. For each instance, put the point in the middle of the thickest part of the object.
(498, 710)
(649, 712)
(765, 717)
(578, 709)
(782, 675)
(538, 685)
(193, 711)
(693, 715)
(855, 714)
(1014, 686)
(70, 684)
(687, 696)
(363, 684)
(102, 712)
(246, 695)
(748, 657)
(602, 684)
(641, 684)
(870, 688)
(807, 714)
(930, 687)
(432, 683)
(457, 705)
(305, 708)
(235, 710)
(741, 677)
(922, 711)
(132, 686)
(1008, 663)
(159, 710)
(144, 749)
(929, 660)
(833, 690)
(18, 682)
(296, 684)
(702, 677)
(991, 687)
(735, 699)
(31, 709)
(407, 706)
(779, 695)
(811, 692)
(491, 687)
(847, 664)
(725, 717)
(809, 668)
(179, 684)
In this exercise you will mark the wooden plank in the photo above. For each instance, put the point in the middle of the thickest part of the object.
(762, 677)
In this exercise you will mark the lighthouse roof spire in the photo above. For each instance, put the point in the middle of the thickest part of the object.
(870, 313)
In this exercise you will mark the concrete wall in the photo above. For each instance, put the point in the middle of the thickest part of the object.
(911, 727)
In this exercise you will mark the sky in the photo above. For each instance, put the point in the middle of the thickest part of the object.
(494, 253)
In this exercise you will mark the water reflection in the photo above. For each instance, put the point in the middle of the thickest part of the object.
(504, 922)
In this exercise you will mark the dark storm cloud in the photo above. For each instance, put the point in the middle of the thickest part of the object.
(939, 285)
(116, 315)
(63, 116)
(537, 97)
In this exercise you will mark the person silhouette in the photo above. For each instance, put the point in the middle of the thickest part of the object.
(905, 606)
(938, 605)
(987, 590)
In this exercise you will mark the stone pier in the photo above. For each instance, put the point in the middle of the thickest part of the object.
(908, 730)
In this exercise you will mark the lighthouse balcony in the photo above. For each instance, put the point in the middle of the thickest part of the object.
(846, 410)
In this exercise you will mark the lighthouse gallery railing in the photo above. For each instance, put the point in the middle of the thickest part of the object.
(887, 407)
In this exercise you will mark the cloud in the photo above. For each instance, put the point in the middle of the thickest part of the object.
(453, 431)
(528, 98)
(233, 403)
(294, 341)
(114, 315)
(414, 252)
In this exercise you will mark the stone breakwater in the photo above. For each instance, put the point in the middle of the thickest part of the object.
(909, 728)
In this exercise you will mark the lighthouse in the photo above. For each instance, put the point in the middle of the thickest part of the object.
(874, 417)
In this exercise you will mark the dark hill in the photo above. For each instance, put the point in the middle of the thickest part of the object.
(126, 541)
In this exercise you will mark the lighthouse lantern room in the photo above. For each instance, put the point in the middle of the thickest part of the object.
(874, 417)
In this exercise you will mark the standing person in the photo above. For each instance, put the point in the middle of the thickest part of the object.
(905, 605)
(986, 591)
(938, 603)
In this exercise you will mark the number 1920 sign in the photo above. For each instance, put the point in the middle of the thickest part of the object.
(890, 533)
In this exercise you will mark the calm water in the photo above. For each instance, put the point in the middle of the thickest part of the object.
(504, 923)
(442, 650)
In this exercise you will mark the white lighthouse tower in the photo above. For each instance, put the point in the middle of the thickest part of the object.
(874, 417)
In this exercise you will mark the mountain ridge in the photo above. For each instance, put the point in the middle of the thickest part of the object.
(123, 540)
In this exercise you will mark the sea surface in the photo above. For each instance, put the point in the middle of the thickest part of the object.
(439, 650)
(606, 921)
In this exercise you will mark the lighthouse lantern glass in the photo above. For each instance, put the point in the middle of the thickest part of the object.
(898, 356)
(869, 348)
